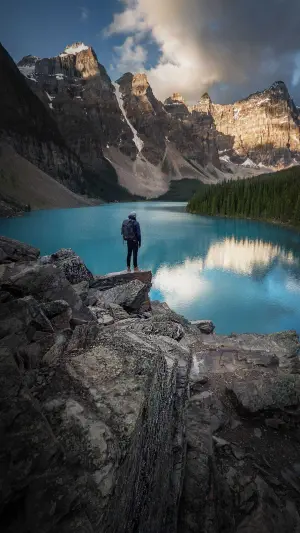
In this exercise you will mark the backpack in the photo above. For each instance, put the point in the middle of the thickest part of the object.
(128, 230)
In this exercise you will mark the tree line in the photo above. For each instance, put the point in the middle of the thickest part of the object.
(273, 196)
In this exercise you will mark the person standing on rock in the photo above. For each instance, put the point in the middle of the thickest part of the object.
(131, 233)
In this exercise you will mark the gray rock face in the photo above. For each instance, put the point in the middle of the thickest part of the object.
(274, 393)
(159, 124)
(80, 97)
(16, 251)
(155, 326)
(47, 283)
(130, 295)
(71, 264)
(59, 312)
(23, 315)
(234, 480)
(133, 400)
(82, 290)
(264, 126)
(205, 326)
(109, 281)
(27, 125)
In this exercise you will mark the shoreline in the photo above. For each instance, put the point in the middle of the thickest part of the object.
(273, 222)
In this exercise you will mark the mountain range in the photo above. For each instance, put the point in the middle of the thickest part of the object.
(68, 134)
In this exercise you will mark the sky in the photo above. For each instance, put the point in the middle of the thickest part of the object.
(229, 48)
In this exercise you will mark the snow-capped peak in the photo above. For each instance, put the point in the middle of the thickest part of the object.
(74, 49)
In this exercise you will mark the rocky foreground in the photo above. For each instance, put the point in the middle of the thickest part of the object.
(120, 416)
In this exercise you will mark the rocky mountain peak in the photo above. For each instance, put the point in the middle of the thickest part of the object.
(204, 104)
(74, 49)
(177, 97)
(77, 61)
(279, 86)
(205, 98)
(139, 84)
(175, 105)
(28, 61)
(278, 90)
(125, 79)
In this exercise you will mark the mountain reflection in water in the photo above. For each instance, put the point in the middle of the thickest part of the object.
(223, 268)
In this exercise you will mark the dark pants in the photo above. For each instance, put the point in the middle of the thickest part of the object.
(132, 247)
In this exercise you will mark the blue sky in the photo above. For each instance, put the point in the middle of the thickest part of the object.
(45, 28)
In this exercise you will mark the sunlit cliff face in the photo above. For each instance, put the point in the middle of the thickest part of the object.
(183, 283)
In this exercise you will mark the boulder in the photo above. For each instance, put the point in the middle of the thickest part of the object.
(275, 393)
(71, 264)
(106, 320)
(30, 356)
(23, 315)
(82, 290)
(130, 295)
(47, 283)
(117, 312)
(16, 251)
(57, 307)
(205, 326)
(159, 309)
(154, 326)
(10, 269)
(59, 312)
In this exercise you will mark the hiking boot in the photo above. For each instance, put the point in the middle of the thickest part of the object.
(136, 269)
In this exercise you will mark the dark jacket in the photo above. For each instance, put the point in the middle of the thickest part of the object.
(136, 229)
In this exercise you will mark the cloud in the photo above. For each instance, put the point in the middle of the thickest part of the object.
(240, 43)
(181, 284)
(130, 56)
(84, 13)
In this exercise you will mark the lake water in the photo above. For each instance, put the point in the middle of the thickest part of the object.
(243, 275)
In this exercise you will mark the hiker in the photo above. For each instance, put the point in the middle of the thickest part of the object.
(131, 233)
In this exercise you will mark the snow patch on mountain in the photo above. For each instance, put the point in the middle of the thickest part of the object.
(28, 71)
(225, 158)
(249, 163)
(50, 97)
(136, 139)
(74, 49)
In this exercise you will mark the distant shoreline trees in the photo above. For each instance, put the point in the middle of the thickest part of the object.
(273, 197)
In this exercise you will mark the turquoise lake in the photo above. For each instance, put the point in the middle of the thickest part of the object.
(243, 275)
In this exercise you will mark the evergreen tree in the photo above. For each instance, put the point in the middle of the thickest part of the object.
(273, 196)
